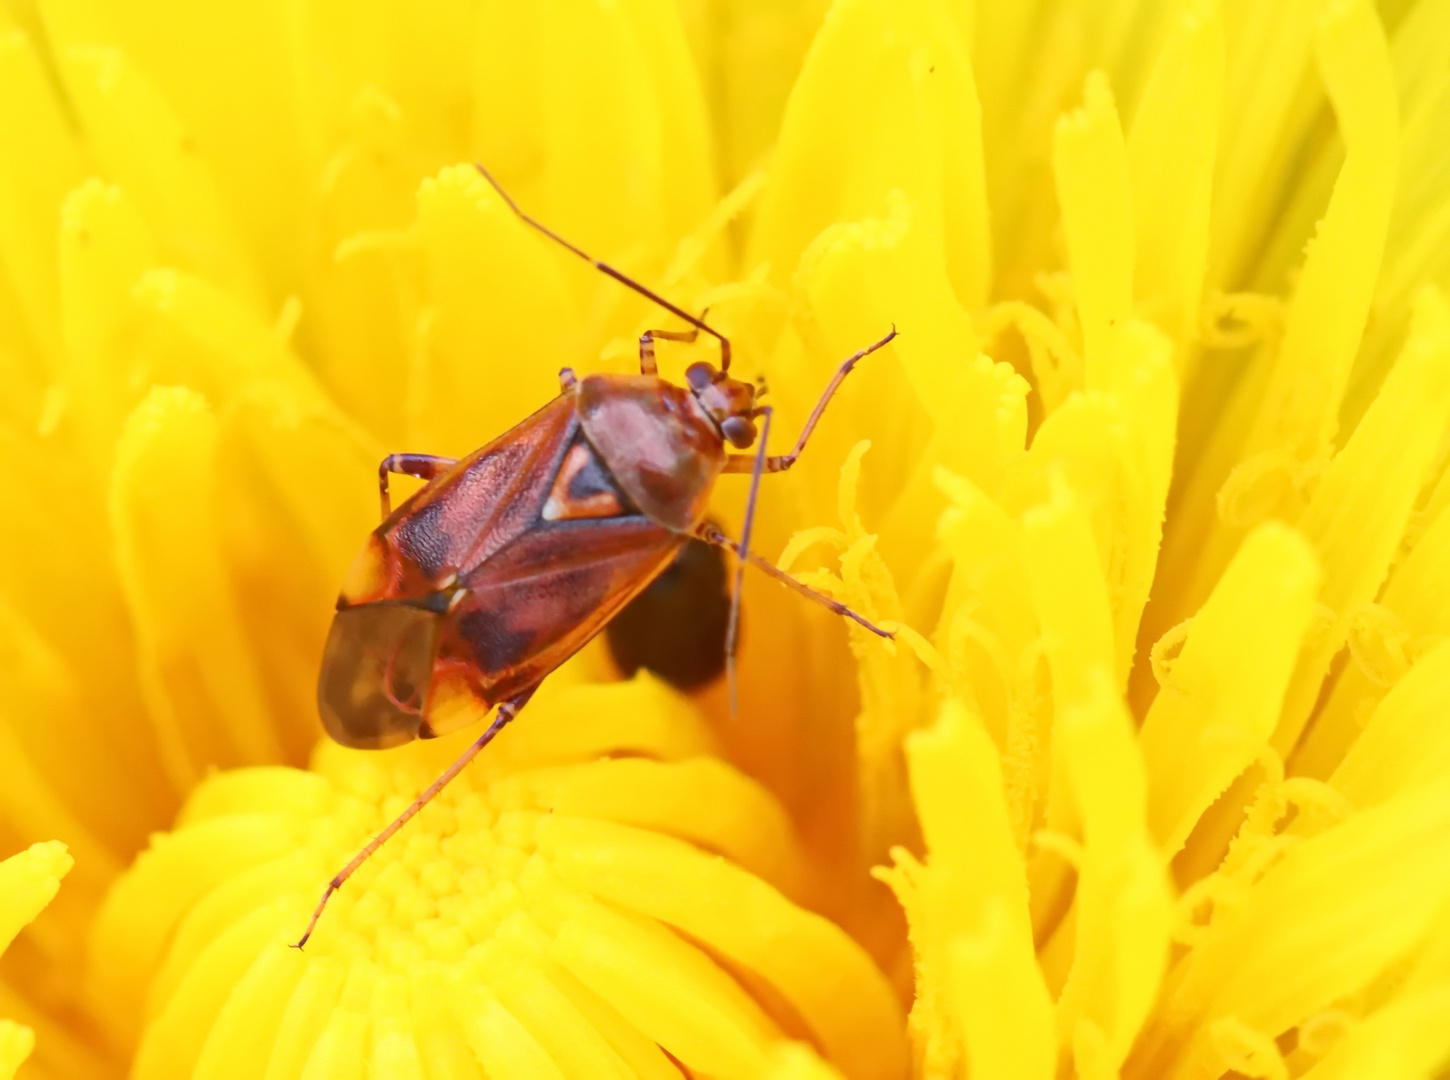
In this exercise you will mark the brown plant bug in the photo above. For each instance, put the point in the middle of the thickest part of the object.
(511, 559)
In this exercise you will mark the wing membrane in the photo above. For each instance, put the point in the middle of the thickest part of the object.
(376, 671)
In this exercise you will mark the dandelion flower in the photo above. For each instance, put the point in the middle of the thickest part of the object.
(1153, 780)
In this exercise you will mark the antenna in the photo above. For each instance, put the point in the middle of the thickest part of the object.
(604, 268)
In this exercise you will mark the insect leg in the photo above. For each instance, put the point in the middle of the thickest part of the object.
(605, 268)
(506, 712)
(647, 340)
(739, 463)
(647, 346)
(712, 535)
(423, 466)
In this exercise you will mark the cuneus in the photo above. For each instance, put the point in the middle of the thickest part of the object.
(509, 560)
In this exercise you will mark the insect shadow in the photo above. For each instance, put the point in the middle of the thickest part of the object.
(511, 559)
(675, 629)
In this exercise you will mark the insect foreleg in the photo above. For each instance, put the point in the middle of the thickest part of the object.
(744, 463)
(506, 712)
(647, 365)
(712, 535)
(423, 466)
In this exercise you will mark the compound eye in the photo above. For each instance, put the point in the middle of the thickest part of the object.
(738, 431)
(699, 375)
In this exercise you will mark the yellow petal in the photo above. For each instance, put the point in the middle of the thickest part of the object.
(1331, 302)
(16, 1043)
(1359, 510)
(1415, 245)
(34, 126)
(1023, 81)
(286, 540)
(240, 790)
(974, 899)
(824, 976)
(1118, 449)
(131, 932)
(1322, 923)
(1069, 595)
(194, 333)
(1089, 447)
(556, 979)
(1005, 1008)
(444, 1051)
(1171, 151)
(1143, 380)
(644, 717)
(240, 1042)
(393, 1045)
(515, 964)
(194, 660)
(886, 100)
(1412, 613)
(749, 57)
(796, 1061)
(1222, 693)
(503, 1046)
(176, 1034)
(1270, 51)
(700, 800)
(1276, 429)
(861, 279)
(1403, 743)
(1404, 1039)
(574, 89)
(473, 246)
(988, 621)
(305, 1014)
(141, 146)
(1090, 163)
(105, 247)
(1065, 572)
(28, 882)
(341, 1046)
(956, 782)
(671, 993)
(1123, 903)
(234, 89)
(49, 789)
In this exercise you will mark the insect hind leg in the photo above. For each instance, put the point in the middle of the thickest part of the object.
(506, 712)
(423, 466)
(712, 535)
